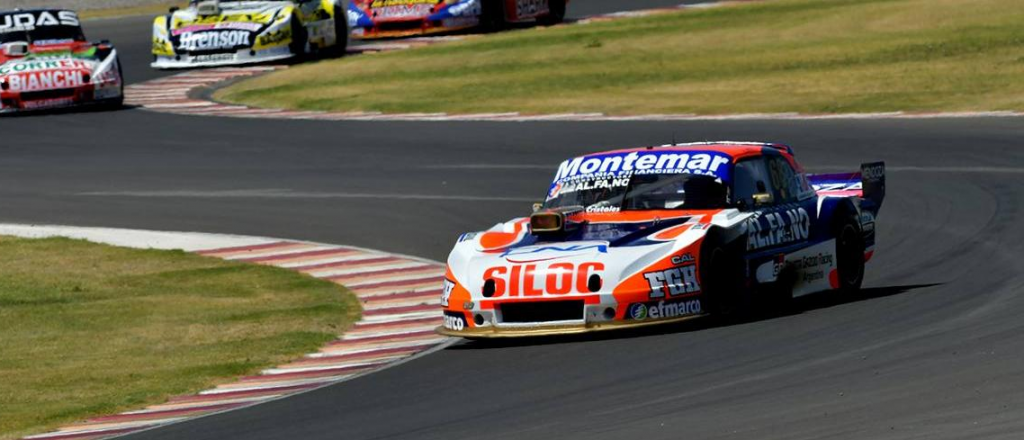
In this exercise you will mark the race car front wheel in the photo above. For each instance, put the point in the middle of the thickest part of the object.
(849, 255)
(724, 295)
(340, 33)
(299, 37)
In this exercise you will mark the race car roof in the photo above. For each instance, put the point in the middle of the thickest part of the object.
(707, 158)
(731, 148)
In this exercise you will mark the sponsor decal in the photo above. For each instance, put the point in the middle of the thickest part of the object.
(776, 228)
(213, 57)
(262, 18)
(48, 103)
(454, 321)
(27, 21)
(446, 292)
(674, 282)
(655, 162)
(465, 9)
(538, 280)
(386, 3)
(813, 267)
(680, 260)
(214, 40)
(281, 36)
(600, 209)
(402, 11)
(545, 253)
(873, 173)
(663, 309)
(531, 8)
(57, 79)
(224, 25)
(44, 64)
(592, 184)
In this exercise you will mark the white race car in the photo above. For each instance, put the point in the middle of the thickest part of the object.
(231, 32)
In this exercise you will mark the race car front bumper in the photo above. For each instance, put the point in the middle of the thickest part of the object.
(83, 96)
(537, 330)
(235, 58)
(411, 29)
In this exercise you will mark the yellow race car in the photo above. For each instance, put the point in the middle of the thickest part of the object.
(232, 32)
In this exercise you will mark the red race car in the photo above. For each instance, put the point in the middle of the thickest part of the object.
(46, 62)
(400, 18)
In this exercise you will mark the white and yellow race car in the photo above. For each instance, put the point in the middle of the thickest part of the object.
(231, 32)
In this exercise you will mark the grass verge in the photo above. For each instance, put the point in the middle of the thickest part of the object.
(809, 56)
(89, 329)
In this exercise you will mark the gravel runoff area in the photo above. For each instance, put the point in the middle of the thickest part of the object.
(79, 5)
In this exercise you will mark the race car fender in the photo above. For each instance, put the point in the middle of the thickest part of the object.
(161, 37)
(278, 33)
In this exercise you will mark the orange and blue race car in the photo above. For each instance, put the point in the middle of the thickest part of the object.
(402, 18)
(46, 63)
(663, 234)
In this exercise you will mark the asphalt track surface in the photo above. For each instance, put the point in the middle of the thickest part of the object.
(932, 349)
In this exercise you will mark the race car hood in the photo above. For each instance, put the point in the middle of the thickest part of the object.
(251, 17)
(616, 248)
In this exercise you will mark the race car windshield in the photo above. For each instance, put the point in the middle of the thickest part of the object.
(641, 192)
(44, 35)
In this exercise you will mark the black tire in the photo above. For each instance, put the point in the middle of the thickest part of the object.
(721, 275)
(299, 38)
(492, 16)
(777, 297)
(340, 33)
(556, 14)
(117, 103)
(849, 253)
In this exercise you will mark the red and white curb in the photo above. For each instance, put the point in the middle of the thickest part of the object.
(400, 296)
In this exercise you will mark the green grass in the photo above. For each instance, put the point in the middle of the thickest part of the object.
(88, 329)
(813, 56)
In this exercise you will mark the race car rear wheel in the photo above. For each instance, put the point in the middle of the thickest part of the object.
(492, 15)
(849, 254)
(556, 13)
(720, 275)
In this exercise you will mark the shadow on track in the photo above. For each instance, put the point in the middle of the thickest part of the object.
(799, 305)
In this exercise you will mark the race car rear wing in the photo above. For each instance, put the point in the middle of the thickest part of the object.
(868, 185)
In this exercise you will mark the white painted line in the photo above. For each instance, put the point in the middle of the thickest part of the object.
(350, 364)
(272, 385)
(327, 273)
(66, 431)
(394, 278)
(342, 350)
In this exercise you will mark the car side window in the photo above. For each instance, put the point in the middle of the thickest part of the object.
(750, 176)
(785, 180)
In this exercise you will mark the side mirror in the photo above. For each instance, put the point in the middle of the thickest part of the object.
(537, 206)
(15, 49)
(761, 199)
(173, 9)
